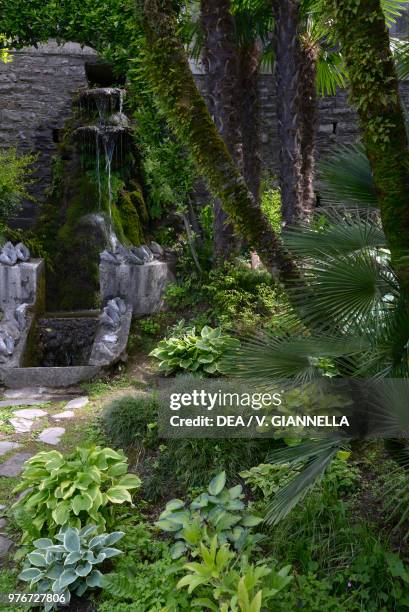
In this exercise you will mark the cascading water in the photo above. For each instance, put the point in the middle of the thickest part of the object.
(109, 147)
(107, 135)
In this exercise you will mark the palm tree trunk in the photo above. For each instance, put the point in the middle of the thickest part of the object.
(220, 59)
(308, 123)
(168, 71)
(374, 92)
(287, 74)
(249, 100)
(295, 70)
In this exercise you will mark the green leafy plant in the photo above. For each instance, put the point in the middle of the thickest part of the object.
(267, 478)
(14, 181)
(193, 352)
(66, 564)
(223, 587)
(218, 511)
(74, 489)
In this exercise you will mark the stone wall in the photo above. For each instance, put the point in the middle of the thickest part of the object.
(38, 86)
(36, 91)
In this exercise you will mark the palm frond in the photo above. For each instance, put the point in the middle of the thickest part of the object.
(315, 457)
(264, 359)
(393, 9)
(346, 178)
(400, 50)
(331, 72)
(336, 233)
(347, 289)
(388, 336)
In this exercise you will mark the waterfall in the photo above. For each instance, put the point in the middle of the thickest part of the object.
(108, 138)
(97, 168)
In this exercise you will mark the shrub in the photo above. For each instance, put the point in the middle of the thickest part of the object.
(193, 352)
(271, 206)
(14, 181)
(128, 421)
(74, 489)
(219, 512)
(67, 565)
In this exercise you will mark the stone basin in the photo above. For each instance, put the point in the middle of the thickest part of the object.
(16, 378)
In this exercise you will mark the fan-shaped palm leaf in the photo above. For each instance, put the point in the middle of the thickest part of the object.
(346, 178)
(265, 359)
(314, 457)
(345, 289)
(335, 233)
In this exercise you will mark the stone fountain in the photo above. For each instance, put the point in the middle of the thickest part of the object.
(102, 272)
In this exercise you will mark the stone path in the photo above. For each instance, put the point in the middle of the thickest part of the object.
(6, 447)
(51, 435)
(14, 464)
(67, 414)
(23, 421)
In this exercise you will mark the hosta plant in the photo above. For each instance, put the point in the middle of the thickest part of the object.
(67, 564)
(193, 352)
(219, 511)
(74, 489)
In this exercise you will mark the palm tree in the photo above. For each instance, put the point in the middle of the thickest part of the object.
(167, 69)
(220, 59)
(374, 91)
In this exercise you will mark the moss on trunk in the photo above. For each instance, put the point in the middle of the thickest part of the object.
(374, 92)
(168, 71)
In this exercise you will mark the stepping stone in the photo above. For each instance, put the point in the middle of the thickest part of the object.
(78, 402)
(14, 464)
(41, 394)
(3, 523)
(5, 545)
(21, 425)
(30, 413)
(2, 507)
(6, 447)
(11, 403)
(51, 435)
(67, 414)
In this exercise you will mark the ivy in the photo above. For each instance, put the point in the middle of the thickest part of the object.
(362, 32)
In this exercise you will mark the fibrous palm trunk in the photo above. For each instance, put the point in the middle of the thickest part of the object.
(295, 71)
(249, 101)
(374, 91)
(287, 76)
(308, 124)
(221, 63)
(168, 72)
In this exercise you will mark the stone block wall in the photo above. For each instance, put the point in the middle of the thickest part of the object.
(37, 89)
(36, 92)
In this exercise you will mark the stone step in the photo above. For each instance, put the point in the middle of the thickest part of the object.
(44, 394)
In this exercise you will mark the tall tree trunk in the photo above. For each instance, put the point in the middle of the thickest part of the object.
(295, 70)
(249, 100)
(374, 92)
(220, 59)
(308, 124)
(287, 74)
(168, 72)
